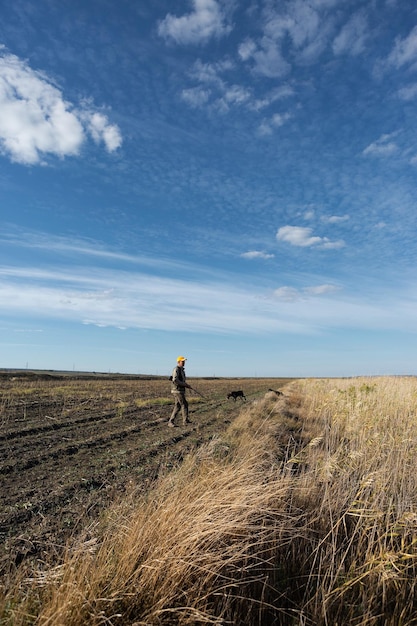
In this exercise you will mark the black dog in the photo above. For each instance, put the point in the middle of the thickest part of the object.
(236, 394)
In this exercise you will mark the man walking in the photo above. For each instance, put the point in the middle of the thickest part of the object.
(179, 385)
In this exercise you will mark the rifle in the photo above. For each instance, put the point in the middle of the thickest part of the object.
(197, 392)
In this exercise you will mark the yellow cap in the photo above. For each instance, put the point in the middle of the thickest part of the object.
(181, 358)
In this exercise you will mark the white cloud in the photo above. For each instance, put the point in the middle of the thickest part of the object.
(34, 118)
(352, 37)
(36, 121)
(301, 22)
(147, 298)
(268, 126)
(382, 146)
(137, 300)
(196, 96)
(257, 254)
(302, 237)
(206, 21)
(101, 130)
(301, 33)
(297, 32)
(283, 91)
(83, 247)
(332, 245)
(217, 93)
(291, 294)
(236, 94)
(320, 290)
(287, 294)
(405, 50)
(247, 49)
(269, 60)
(231, 97)
(335, 219)
(210, 72)
(297, 236)
(409, 92)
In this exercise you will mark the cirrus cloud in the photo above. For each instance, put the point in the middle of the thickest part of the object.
(382, 147)
(353, 35)
(291, 294)
(405, 50)
(256, 254)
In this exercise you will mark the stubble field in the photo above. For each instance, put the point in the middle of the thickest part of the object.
(70, 446)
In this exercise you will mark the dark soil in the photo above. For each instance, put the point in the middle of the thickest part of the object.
(70, 445)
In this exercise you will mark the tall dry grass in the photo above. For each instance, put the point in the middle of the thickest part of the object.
(362, 477)
(305, 513)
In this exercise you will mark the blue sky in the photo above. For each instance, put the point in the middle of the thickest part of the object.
(231, 181)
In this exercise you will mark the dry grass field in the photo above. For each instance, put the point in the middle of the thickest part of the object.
(298, 509)
(71, 445)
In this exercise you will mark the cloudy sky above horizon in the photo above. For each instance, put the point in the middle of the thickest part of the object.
(232, 181)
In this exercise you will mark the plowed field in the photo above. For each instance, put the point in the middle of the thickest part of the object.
(69, 446)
